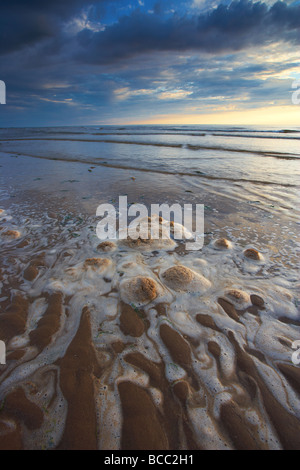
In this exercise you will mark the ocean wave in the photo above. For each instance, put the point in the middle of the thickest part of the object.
(195, 173)
(194, 147)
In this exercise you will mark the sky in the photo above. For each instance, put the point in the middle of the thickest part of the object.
(84, 62)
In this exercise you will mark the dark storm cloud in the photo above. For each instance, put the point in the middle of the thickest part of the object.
(226, 28)
(27, 22)
(233, 27)
(245, 23)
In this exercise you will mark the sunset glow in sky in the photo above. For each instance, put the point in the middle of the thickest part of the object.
(81, 62)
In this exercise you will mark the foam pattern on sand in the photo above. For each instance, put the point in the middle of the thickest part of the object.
(131, 346)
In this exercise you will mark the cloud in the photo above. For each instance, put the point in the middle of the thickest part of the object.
(232, 27)
(125, 93)
(174, 94)
(25, 23)
(68, 101)
(226, 27)
(78, 65)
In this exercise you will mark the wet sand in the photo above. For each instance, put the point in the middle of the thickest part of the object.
(130, 346)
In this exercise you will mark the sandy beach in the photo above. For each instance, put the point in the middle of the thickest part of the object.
(137, 345)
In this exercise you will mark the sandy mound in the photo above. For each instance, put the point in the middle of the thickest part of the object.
(97, 263)
(179, 230)
(253, 254)
(11, 234)
(222, 244)
(145, 241)
(72, 273)
(30, 273)
(106, 246)
(149, 244)
(257, 301)
(238, 297)
(140, 290)
(181, 278)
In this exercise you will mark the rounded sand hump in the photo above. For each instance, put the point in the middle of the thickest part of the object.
(222, 244)
(139, 290)
(10, 235)
(149, 244)
(106, 246)
(99, 264)
(144, 240)
(238, 298)
(180, 278)
(253, 254)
